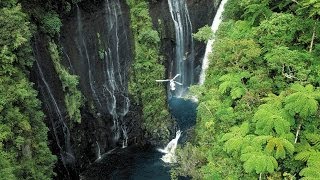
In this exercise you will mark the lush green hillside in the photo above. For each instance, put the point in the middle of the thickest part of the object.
(147, 66)
(24, 153)
(258, 114)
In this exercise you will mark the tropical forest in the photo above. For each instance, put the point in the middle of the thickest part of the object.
(160, 89)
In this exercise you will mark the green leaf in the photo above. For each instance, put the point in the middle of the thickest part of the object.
(312, 171)
(280, 146)
(259, 162)
(233, 83)
(302, 101)
(269, 119)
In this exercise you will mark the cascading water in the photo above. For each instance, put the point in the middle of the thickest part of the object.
(183, 63)
(116, 84)
(60, 129)
(170, 149)
(99, 151)
(83, 52)
(134, 162)
(214, 27)
(109, 88)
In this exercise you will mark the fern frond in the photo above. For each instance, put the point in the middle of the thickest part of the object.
(232, 82)
(312, 171)
(260, 140)
(275, 100)
(280, 146)
(235, 139)
(259, 162)
(237, 92)
(303, 101)
(304, 155)
(269, 120)
(314, 139)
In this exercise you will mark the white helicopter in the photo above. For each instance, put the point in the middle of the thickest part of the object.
(172, 82)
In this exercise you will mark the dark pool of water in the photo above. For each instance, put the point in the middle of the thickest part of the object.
(137, 163)
(145, 166)
(184, 111)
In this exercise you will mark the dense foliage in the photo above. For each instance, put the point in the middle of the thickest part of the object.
(147, 67)
(73, 97)
(258, 113)
(24, 153)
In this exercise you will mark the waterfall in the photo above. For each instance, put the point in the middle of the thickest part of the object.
(183, 62)
(107, 76)
(170, 149)
(60, 129)
(125, 136)
(99, 151)
(115, 86)
(214, 27)
(82, 48)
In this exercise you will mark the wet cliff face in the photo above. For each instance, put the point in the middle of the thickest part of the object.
(96, 44)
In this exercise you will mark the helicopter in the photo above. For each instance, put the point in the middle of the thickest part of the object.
(172, 82)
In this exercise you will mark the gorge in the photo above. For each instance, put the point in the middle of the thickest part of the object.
(97, 47)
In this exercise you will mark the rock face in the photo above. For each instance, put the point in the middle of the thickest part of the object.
(96, 45)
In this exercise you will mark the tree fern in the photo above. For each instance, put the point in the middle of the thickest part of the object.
(302, 101)
(233, 82)
(312, 171)
(259, 162)
(291, 64)
(269, 120)
(314, 140)
(305, 155)
(236, 138)
(279, 147)
(276, 101)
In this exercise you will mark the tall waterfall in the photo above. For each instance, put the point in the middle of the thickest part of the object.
(106, 65)
(214, 27)
(115, 86)
(60, 129)
(183, 63)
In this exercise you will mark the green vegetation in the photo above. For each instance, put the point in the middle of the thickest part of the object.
(204, 34)
(100, 47)
(73, 97)
(147, 67)
(51, 23)
(24, 153)
(258, 113)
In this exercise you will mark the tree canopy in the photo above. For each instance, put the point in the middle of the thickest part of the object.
(258, 111)
(24, 152)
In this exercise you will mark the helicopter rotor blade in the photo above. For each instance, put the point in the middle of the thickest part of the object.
(178, 83)
(162, 80)
(176, 76)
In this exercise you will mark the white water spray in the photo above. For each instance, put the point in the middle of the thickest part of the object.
(170, 149)
(214, 27)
